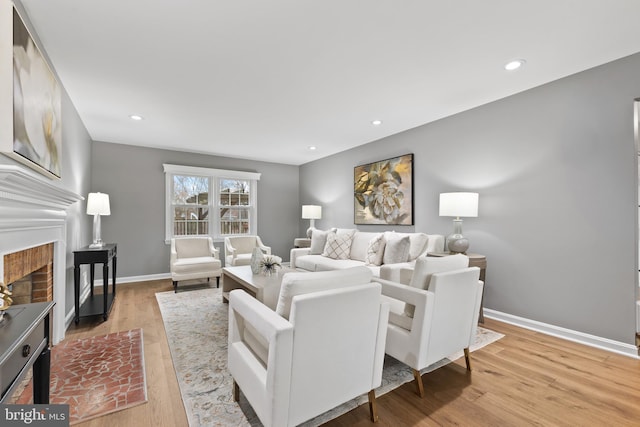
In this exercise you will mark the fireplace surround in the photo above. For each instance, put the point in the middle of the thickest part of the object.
(33, 213)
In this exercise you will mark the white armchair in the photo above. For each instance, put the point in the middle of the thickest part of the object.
(426, 326)
(194, 258)
(323, 346)
(238, 249)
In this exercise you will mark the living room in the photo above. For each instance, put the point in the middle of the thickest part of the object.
(555, 167)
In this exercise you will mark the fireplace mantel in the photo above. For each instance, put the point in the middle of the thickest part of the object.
(20, 187)
(33, 212)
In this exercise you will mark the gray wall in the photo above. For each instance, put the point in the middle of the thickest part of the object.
(555, 167)
(135, 181)
(76, 154)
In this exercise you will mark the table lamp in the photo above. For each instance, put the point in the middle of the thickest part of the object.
(458, 204)
(311, 212)
(97, 205)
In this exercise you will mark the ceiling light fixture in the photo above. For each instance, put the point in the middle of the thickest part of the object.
(135, 117)
(376, 122)
(313, 147)
(514, 65)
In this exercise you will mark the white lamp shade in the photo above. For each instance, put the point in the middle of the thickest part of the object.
(98, 204)
(459, 204)
(311, 212)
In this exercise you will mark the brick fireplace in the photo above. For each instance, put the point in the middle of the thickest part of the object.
(33, 237)
(31, 270)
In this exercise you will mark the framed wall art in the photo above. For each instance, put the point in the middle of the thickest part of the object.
(383, 192)
(30, 99)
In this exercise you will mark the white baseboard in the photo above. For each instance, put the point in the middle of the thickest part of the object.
(567, 334)
(131, 279)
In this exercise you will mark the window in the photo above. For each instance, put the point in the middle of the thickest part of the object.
(210, 202)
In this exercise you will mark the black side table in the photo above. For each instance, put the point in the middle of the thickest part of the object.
(92, 256)
(24, 343)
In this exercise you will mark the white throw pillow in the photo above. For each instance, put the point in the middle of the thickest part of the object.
(396, 250)
(319, 240)
(375, 250)
(338, 246)
(426, 266)
(304, 283)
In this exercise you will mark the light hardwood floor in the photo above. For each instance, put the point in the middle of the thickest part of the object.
(526, 378)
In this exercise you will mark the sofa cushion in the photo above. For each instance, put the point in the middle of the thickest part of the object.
(360, 244)
(418, 242)
(338, 245)
(375, 250)
(303, 283)
(323, 263)
(195, 265)
(427, 266)
(396, 249)
(319, 240)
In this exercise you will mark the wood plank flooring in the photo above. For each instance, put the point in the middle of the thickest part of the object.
(524, 379)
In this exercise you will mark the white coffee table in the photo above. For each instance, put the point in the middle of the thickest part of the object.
(264, 288)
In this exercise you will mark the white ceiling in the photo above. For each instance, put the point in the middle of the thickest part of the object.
(266, 79)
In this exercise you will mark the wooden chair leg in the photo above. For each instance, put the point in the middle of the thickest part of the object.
(236, 391)
(373, 408)
(175, 286)
(419, 385)
(467, 359)
(218, 282)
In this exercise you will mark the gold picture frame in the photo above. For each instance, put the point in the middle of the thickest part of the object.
(383, 192)
(30, 99)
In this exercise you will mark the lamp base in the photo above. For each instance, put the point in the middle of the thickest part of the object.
(456, 242)
(96, 245)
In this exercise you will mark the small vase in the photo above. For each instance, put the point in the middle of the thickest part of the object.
(256, 257)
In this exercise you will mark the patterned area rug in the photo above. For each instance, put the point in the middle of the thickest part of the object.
(96, 376)
(196, 326)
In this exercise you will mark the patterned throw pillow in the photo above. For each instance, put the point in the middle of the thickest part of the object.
(338, 246)
(375, 250)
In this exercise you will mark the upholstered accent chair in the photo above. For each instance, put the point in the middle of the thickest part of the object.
(194, 258)
(238, 249)
(435, 315)
(323, 346)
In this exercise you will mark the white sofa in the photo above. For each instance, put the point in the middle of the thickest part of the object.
(385, 263)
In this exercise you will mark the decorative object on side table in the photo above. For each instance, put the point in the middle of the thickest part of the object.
(5, 299)
(270, 264)
(256, 257)
(97, 205)
(311, 212)
(458, 204)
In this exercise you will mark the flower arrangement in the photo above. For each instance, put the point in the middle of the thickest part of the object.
(269, 264)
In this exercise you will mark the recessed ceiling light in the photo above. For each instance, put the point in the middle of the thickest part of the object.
(135, 117)
(376, 122)
(514, 65)
(313, 148)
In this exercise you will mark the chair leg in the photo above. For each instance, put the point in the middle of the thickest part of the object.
(373, 408)
(218, 282)
(236, 391)
(467, 358)
(419, 385)
(175, 286)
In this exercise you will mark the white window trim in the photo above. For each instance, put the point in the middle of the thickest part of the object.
(214, 176)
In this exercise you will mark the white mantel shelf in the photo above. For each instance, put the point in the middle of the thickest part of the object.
(21, 187)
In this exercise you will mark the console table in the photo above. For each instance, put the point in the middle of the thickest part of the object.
(92, 256)
(24, 343)
(475, 260)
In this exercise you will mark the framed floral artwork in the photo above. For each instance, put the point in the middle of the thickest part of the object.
(30, 105)
(383, 192)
